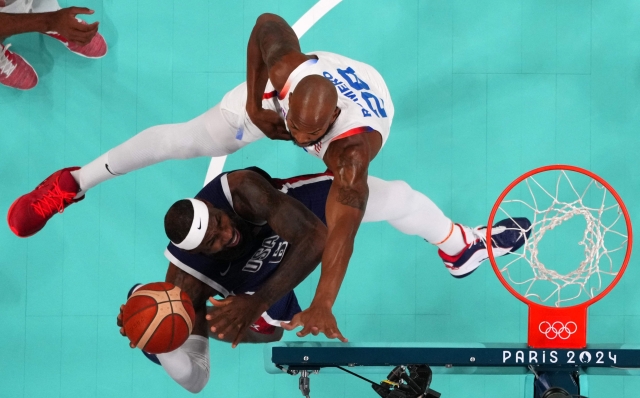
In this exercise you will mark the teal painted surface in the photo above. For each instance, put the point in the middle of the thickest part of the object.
(483, 90)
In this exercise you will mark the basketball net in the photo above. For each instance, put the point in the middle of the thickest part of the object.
(557, 300)
(593, 241)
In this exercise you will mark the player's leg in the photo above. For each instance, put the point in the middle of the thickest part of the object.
(217, 132)
(461, 248)
(17, 7)
(412, 213)
(210, 134)
(45, 6)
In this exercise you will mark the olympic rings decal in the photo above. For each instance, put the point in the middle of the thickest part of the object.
(558, 329)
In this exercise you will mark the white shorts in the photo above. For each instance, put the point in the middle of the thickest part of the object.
(234, 109)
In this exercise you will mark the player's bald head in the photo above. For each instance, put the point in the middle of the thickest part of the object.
(312, 107)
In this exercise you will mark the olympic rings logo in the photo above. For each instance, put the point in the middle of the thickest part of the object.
(557, 329)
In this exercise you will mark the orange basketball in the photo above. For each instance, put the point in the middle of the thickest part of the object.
(158, 317)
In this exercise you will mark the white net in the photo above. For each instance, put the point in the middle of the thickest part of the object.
(577, 242)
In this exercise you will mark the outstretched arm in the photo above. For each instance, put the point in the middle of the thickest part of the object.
(256, 200)
(349, 160)
(273, 53)
(62, 21)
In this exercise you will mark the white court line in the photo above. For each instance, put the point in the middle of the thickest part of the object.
(300, 27)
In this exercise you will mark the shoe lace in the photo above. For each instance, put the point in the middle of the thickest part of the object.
(56, 199)
(480, 234)
(6, 66)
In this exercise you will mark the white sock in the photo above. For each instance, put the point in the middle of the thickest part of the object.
(92, 174)
(456, 242)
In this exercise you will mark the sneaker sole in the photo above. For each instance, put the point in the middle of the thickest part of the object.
(77, 53)
(475, 261)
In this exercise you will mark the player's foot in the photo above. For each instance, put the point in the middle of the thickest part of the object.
(507, 236)
(96, 48)
(30, 212)
(15, 71)
(152, 357)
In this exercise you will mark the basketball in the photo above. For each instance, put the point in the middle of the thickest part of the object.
(158, 317)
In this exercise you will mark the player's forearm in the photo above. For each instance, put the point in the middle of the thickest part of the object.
(13, 24)
(335, 260)
(257, 73)
(305, 233)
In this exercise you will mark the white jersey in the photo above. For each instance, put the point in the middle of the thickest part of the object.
(363, 98)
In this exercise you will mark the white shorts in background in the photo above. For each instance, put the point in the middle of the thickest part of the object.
(28, 6)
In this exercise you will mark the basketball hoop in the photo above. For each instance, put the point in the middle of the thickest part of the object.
(555, 199)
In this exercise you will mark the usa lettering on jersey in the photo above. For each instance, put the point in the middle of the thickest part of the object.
(264, 252)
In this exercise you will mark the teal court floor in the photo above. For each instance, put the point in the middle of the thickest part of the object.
(484, 90)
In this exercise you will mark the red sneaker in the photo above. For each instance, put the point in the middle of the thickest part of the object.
(15, 71)
(30, 212)
(96, 48)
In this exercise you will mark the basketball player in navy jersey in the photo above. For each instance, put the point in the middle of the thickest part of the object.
(252, 239)
(335, 108)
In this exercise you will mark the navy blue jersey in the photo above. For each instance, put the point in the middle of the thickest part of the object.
(248, 273)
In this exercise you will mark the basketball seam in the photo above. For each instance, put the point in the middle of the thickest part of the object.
(173, 325)
(159, 323)
(124, 325)
(157, 303)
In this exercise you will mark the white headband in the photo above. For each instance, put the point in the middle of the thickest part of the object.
(198, 226)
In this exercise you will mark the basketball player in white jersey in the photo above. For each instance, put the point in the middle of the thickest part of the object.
(335, 108)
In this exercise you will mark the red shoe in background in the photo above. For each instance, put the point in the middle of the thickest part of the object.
(96, 48)
(15, 71)
(30, 212)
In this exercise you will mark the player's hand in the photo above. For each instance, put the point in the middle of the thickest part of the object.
(234, 315)
(271, 124)
(315, 320)
(119, 322)
(65, 23)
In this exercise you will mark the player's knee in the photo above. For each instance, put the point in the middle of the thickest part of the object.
(277, 334)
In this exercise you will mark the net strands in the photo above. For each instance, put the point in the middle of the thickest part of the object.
(597, 256)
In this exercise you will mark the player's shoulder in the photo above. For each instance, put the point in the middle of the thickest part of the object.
(334, 58)
(249, 177)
